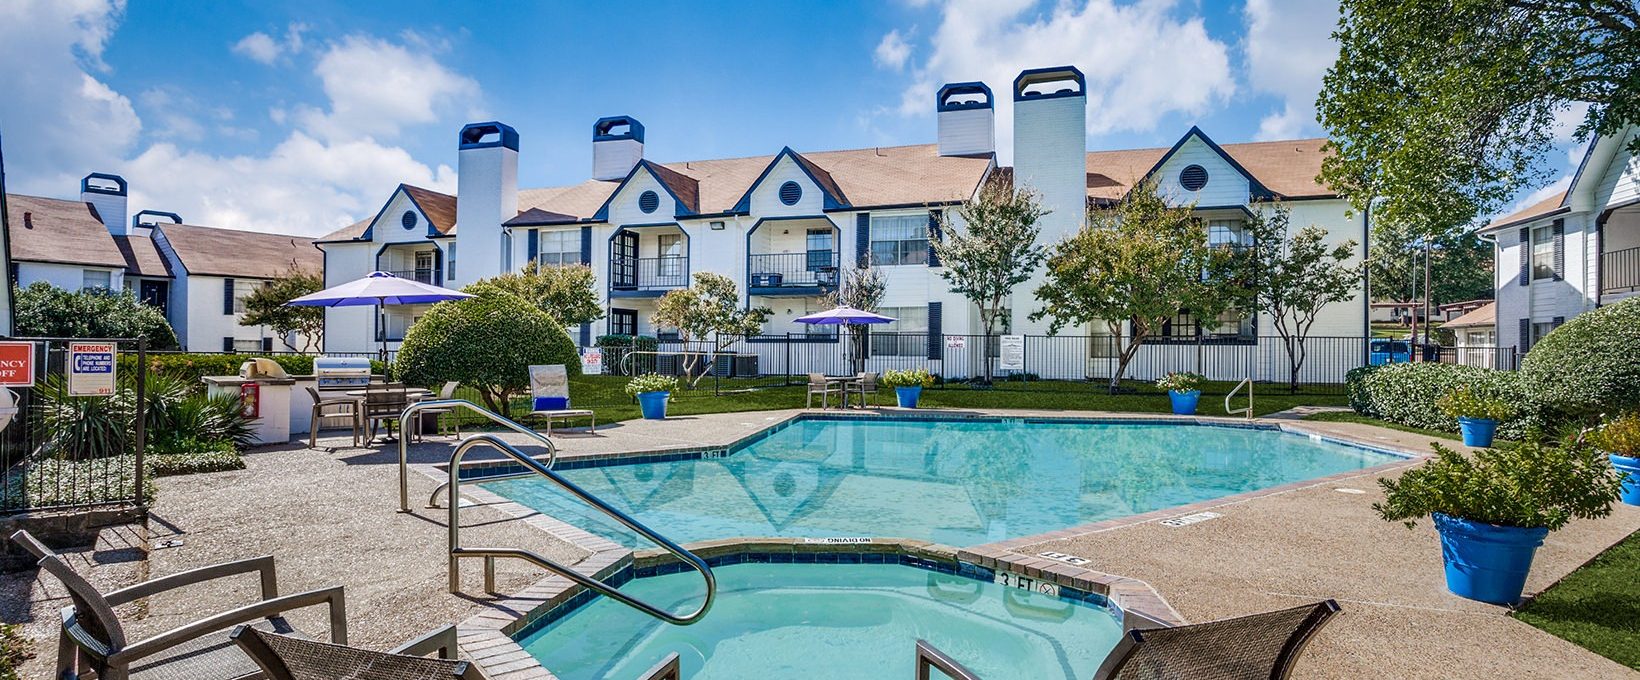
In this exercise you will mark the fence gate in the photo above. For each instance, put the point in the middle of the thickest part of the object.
(74, 414)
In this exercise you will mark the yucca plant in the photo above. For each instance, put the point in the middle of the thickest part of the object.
(80, 428)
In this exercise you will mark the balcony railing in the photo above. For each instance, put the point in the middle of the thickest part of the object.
(431, 276)
(1620, 271)
(649, 273)
(786, 270)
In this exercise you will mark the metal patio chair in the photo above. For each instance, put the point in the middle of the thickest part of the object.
(282, 657)
(1255, 646)
(350, 408)
(821, 385)
(867, 385)
(444, 394)
(383, 403)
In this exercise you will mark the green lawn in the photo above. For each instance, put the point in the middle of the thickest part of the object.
(605, 395)
(1597, 606)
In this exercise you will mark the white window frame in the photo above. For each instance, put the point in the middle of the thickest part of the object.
(86, 276)
(1543, 263)
(907, 251)
(558, 247)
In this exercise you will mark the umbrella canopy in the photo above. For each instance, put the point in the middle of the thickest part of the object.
(844, 315)
(377, 289)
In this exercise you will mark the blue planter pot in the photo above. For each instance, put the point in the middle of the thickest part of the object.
(1629, 467)
(1477, 431)
(653, 404)
(1184, 403)
(1487, 562)
(907, 396)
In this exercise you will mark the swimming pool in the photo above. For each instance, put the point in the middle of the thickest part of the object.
(830, 621)
(959, 481)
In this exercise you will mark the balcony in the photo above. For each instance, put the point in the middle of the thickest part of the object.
(808, 273)
(432, 276)
(1620, 271)
(647, 276)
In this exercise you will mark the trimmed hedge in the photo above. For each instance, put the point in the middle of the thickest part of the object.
(487, 342)
(191, 367)
(1589, 366)
(1406, 394)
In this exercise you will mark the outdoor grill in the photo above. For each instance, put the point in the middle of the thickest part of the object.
(342, 372)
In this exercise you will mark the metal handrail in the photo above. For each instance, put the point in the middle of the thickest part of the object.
(1248, 383)
(404, 441)
(457, 551)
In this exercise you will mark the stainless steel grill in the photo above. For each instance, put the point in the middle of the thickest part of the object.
(342, 372)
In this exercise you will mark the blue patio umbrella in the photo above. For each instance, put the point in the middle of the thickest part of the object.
(848, 316)
(379, 289)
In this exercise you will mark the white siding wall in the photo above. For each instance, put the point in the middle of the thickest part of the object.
(1225, 184)
(624, 208)
(65, 276)
(1621, 181)
(1050, 157)
(969, 131)
(766, 195)
(487, 186)
(348, 329)
(208, 325)
(1343, 319)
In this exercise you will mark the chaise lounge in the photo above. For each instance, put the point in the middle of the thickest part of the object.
(549, 393)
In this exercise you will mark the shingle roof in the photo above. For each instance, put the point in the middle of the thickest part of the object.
(55, 230)
(348, 233)
(142, 257)
(229, 252)
(1289, 168)
(1485, 315)
(440, 208)
(1538, 209)
(686, 188)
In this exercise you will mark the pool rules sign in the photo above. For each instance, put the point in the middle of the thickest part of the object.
(91, 369)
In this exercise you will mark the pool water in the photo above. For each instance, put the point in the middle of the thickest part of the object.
(830, 621)
(957, 482)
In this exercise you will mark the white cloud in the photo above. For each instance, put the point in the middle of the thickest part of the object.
(266, 49)
(1289, 47)
(1142, 62)
(377, 87)
(893, 51)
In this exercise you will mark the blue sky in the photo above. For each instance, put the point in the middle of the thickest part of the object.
(300, 117)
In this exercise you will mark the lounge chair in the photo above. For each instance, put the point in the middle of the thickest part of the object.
(283, 657)
(93, 638)
(349, 409)
(1255, 646)
(819, 384)
(549, 392)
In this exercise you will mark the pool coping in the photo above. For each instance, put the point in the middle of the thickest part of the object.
(488, 640)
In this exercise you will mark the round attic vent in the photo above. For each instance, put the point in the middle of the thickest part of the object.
(790, 193)
(1193, 177)
(408, 219)
(648, 201)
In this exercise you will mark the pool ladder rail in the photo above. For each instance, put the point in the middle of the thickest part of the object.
(1247, 383)
(457, 551)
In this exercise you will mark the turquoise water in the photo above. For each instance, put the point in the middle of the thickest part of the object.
(829, 621)
(957, 482)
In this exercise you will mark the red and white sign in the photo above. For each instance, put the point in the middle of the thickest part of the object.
(16, 364)
(91, 369)
(592, 361)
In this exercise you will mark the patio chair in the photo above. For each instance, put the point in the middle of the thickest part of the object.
(349, 408)
(93, 638)
(283, 657)
(1256, 646)
(867, 384)
(383, 402)
(819, 384)
(549, 396)
(446, 392)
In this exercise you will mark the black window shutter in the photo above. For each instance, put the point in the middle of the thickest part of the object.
(586, 245)
(1525, 335)
(1558, 321)
(1525, 256)
(862, 239)
(1560, 249)
(267, 344)
(533, 243)
(586, 335)
(227, 345)
(935, 233)
(936, 332)
(227, 296)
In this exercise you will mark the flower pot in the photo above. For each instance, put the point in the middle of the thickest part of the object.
(908, 396)
(1487, 562)
(1629, 467)
(653, 404)
(1477, 431)
(1184, 403)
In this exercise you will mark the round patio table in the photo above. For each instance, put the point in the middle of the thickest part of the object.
(412, 394)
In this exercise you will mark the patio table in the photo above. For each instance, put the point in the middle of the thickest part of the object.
(413, 394)
(843, 381)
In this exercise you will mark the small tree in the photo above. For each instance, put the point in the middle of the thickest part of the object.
(265, 306)
(566, 293)
(1297, 275)
(994, 251)
(861, 288)
(48, 311)
(1141, 261)
(487, 342)
(710, 307)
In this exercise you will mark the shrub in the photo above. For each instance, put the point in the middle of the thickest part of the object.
(651, 382)
(1467, 402)
(915, 377)
(45, 310)
(487, 342)
(1536, 484)
(1620, 436)
(1406, 394)
(195, 456)
(80, 428)
(1183, 381)
(1589, 365)
(14, 650)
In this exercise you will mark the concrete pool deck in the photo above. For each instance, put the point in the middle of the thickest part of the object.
(1272, 550)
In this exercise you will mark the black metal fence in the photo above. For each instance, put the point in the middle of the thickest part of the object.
(62, 447)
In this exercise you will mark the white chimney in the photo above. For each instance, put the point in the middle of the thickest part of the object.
(617, 146)
(106, 193)
(486, 196)
(967, 120)
(142, 223)
(1051, 157)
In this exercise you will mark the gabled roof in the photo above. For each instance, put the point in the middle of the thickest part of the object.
(210, 251)
(536, 217)
(1288, 168)
(833, 198)
(1257, 190)
(684, 190)
(1554, 204)
(58, 231)
(142, 257)
(439, 208)
(1485, 315)
(351, 232)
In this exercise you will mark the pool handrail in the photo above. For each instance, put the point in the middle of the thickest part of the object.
(458, 551)
(930, 659)
(404, 439)
(1248, 383)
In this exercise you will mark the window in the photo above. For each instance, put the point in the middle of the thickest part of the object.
(1543, 253)
(93, 279)
(241, 290)
(899, 240)
(424, 266)
(450, 257)
(671, 251)
(623, 322)
(819, 245)
(1540, 329)
(1184, 327)
(557, 248)
(907, 336)
(243, 345)
(1231, 233)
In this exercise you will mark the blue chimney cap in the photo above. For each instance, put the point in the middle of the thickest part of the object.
(137, 221)
(119, 188)
(943, 99)
(1051, 74)
(472, 136)
(601, 130)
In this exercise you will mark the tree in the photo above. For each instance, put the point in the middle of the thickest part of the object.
(1141, 261)
(861, 288)
(1439, 112)
(710, 307)
(994, 251)
(265, 306)
(488, 342)
(1295, 275)
(1460, 265)
(567, 293)
(45, 310)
